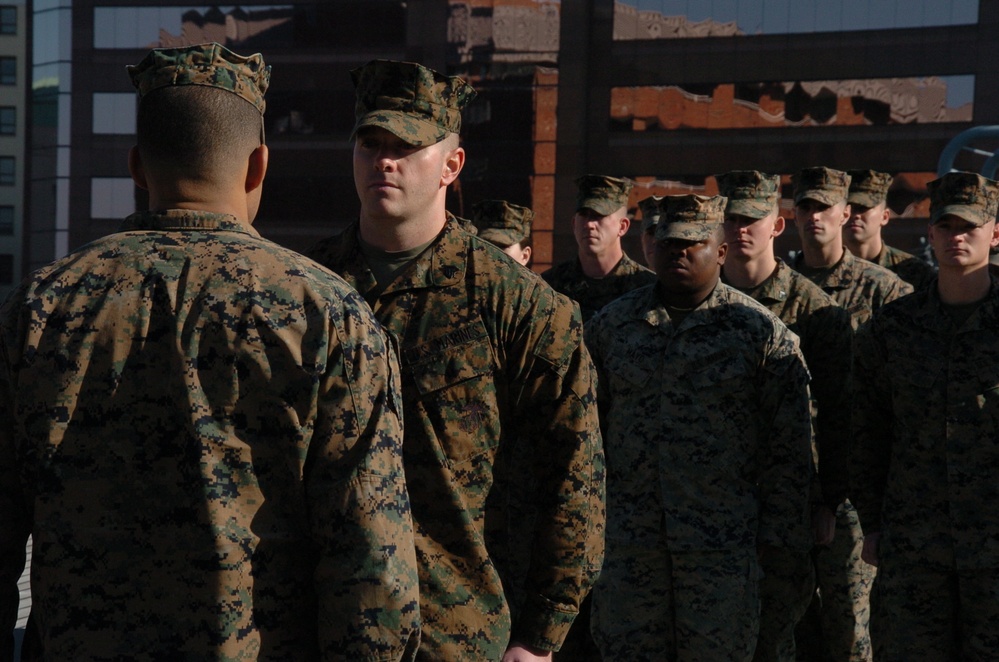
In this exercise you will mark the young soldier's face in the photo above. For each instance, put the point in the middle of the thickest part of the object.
(865, 223)
(396, 180)
(818, 223)
(748, 237)
(596, 234)
(958, 243)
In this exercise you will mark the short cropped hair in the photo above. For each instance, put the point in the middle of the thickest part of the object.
(196, 132)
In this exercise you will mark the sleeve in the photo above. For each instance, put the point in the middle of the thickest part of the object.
(557, 409)
(870, 454)
(366, 577)
(829, 356)
(15, 519)
(786, 446)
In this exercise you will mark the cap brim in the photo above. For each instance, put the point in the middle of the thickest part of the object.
(961, 211)
(415, 131)
(819, 195)
(864, 199)
(749, 208)
(602, 206)
(501, 238)
(685, 231)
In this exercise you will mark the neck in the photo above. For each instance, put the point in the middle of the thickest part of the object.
(234, 205)
(959, 285)
(820, 256)
(868, 250)
(686, 300)
(393, 234)
(747, 273)
(598, 266)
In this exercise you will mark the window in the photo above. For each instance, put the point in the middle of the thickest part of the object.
(111, 197)
(8, 120)
(8, 19)
(7, 164)
(114, 113)
(8, 71)
(6, 220)
(6, 269)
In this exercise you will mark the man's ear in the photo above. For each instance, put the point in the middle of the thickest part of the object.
(779, 225)
(135, 168)
(625, 224)
(256, 168)
(453, 163)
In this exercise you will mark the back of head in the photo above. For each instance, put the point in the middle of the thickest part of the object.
(200, 111)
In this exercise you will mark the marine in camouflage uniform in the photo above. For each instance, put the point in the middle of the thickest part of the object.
(490, 355)
(868, 198)
(602, 271)
(705, 412)
(199, 428)
(752, 222)
(925, 457)
(650, 217)
(507, 225)
(836, 627)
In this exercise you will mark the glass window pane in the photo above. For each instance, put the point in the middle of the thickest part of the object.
(111, 197)
(114, 113)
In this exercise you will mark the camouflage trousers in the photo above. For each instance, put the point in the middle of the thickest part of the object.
(923, 612)
(835, 628)
(650, 604)
(786, 590)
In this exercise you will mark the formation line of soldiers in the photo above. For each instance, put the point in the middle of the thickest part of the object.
(401, 447)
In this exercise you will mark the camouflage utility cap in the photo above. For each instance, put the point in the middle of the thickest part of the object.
(822, 184)
(502, 223)
(966, 195)
(409, 100)
(210, 65)
(690, 217)
(750, 193)
(650, 212)
(603, 194)
(868, 188)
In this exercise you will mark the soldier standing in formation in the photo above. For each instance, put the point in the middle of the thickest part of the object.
(925, 456)
(650, 217)
(752, 223)
(489, 353)
(506, 225)
(602, 271)
(869, 212)
(705, 407)
(199, 428)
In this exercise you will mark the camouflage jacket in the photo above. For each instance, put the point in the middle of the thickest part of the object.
(592, 294)
(201, 431)
(826, 343)
(858, 285)
(491, 357)
(706, 424)
(925, 457)
(911, 269)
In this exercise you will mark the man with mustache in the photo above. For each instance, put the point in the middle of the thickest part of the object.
(705, 410)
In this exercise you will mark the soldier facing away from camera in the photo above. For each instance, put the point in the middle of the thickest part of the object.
(199, 428)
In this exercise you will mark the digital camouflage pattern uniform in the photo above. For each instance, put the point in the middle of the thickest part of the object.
(604, 195)
(824, 330)
(502, 223)
(491, 358)
(925, 459)
(200, 430)
(836, 627)
(708, 440)
(870, 189)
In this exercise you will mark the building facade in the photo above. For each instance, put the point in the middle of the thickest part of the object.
(666, 92)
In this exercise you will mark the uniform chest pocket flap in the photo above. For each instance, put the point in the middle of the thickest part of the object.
(455, 357)
(717, 368)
